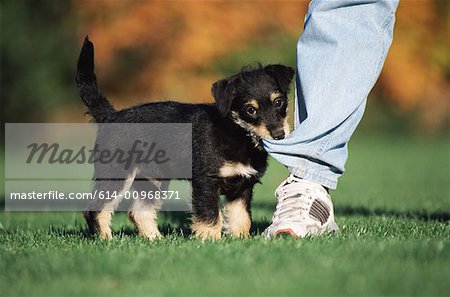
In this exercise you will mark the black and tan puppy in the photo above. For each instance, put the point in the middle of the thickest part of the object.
(228, 157)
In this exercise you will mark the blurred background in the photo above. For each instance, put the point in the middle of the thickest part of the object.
(148, 51)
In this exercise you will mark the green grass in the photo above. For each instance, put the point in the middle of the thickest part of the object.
(393, 206)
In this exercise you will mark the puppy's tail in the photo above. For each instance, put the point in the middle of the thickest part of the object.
(99, 107)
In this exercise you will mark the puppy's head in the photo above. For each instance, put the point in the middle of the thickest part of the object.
(256, 99)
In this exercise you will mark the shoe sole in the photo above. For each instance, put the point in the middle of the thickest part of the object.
(286, 231)
(331, 228)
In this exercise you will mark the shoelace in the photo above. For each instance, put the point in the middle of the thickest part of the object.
(293, 200)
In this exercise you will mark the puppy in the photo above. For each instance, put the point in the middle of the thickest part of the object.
(227, 153)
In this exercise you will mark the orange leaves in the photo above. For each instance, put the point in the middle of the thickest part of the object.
(414, 76)
(174, 45)
(183, 38)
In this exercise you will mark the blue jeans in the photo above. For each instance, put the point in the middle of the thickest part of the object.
(339, 58)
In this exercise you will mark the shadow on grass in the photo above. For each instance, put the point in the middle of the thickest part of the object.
(180, 224)
(439, 216)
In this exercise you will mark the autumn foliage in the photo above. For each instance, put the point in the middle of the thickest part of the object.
(170, 49)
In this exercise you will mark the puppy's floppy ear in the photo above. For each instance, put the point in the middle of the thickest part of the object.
(223, 91)
(283, 75)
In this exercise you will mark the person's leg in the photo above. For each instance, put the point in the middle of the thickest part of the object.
(339, 58)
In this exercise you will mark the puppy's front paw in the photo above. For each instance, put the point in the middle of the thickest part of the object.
(105, 235)
(237, 219)
(240, 233)
(207, 230)
(207, 234)
(151, 235)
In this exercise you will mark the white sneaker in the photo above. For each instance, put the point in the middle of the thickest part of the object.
(303, 208)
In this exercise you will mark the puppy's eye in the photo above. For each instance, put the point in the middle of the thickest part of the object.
(278, 103)
(251, 110)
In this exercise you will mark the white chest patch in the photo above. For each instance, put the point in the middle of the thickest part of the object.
(230, 169)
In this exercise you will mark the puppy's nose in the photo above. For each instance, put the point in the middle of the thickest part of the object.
(278, 134)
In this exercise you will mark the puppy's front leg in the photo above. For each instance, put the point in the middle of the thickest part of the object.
(238, 214)
(206, 217)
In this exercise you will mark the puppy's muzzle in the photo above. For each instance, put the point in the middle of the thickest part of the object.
(278, 134)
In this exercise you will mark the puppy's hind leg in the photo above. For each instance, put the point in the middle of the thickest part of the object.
(99, 212)
(143, 212)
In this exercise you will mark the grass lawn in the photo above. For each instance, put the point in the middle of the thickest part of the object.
(393, 207)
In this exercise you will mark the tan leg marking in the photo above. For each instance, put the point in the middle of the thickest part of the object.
(103, 217)
(237, 219)
(207, 231)
(144, 218)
